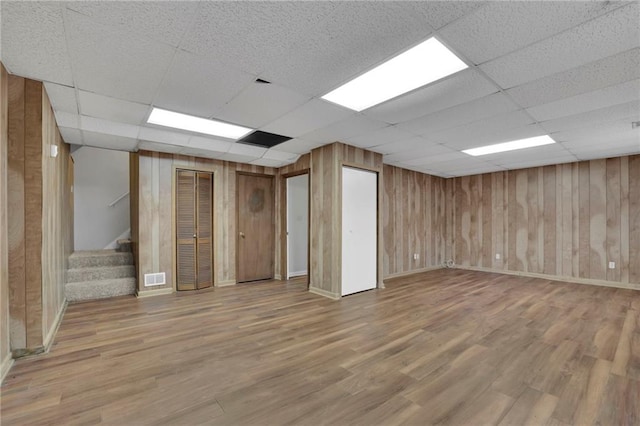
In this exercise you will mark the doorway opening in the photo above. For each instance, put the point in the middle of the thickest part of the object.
(297, 225)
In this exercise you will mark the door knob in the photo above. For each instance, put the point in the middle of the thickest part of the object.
(242, 234)
(194, 236)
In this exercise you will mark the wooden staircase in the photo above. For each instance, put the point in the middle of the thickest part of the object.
(99, 274)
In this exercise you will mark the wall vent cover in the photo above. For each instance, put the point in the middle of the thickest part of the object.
(154, 279)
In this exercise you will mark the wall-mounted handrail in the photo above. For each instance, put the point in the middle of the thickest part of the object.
(117, 200)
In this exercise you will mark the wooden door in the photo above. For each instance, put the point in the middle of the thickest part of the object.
(256, 223)
(194, 213)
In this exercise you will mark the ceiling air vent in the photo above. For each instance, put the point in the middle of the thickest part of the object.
(263, 139)
(261, 81)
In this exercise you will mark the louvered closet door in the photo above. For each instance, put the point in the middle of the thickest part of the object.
(194, 230)
(203, 226)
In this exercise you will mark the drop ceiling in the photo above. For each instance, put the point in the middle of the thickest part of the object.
(568, 69)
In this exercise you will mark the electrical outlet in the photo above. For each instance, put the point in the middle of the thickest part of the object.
(497, 256)
(612, 265)
(416, 256)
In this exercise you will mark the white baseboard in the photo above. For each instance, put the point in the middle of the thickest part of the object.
(325, 293)
(5, 366)
(226, 283)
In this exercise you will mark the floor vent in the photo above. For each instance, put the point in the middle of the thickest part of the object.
(154, 279)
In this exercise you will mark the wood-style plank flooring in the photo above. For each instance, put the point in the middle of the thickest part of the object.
(446, 347)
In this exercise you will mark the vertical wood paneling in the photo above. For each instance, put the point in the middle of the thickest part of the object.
(634, 219)
(613, 217)
(40, 217)
(565, 220)
(413, 220)
(16, 209)
(549, 218)
(598, 222)
(5, 349)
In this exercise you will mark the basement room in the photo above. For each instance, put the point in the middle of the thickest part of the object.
(320, 212)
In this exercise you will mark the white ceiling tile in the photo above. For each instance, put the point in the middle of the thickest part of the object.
(387, 135)
(100, 106)
(355, 125)
(273, 154)
(612, 95)
(99, 125)
(212, 144)
(526, 163)
(252, 36)
(198, 85)
(465, 113)
(298, 146)
(269, 163)
(33, 41)
(445, 158)
(594, 117)
(115, 63)
(101, 140)
(164, 21)
(596, 75)
(259, 104)
(248, 150)
(502, 27)
(356, 37)
(628, 147)
(239, 158)
(160, 147)
(603, 134)
(470, 170)
(203, 153)
(163, 136)
(67, 119)
(310, 116)
(607, 35)
(486, 129)
(440, 13)
(63, 98)
(403, 145)
(71, 135)
(469, 140)
(538, 153)
(459, 88)
(410, 151)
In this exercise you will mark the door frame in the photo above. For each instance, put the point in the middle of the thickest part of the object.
(284, 267)
(237, 217)
(379, 207)
(174, 219)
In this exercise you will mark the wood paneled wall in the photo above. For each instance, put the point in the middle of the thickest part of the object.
(413, 221)
(326, 213)
(153, 231)
(40, 217)
(5, 348)
(567, 220)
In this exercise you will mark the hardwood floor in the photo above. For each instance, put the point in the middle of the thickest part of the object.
(449, 346)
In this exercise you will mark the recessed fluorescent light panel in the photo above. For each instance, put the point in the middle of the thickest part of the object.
(177, 120)
(510, 146)
(425, 63)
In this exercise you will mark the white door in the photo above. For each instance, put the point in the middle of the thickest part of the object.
(297, 225)
(359, 230)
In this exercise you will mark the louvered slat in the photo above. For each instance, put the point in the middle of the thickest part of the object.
(204, 221)
(186, 228)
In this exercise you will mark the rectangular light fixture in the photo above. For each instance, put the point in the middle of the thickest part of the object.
(162, 117)
(425, 63)
(510, 146)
